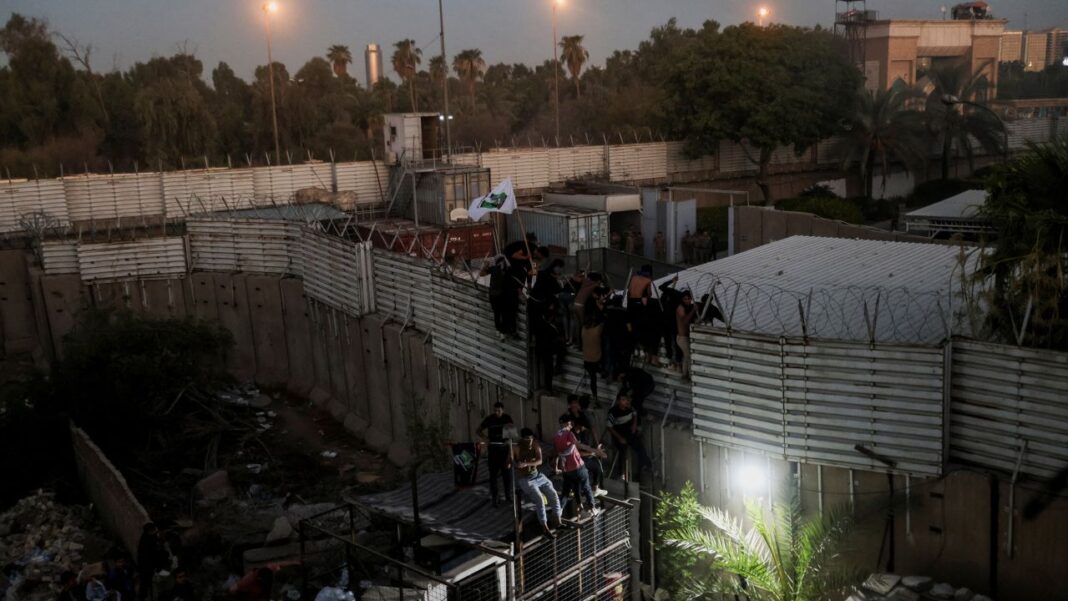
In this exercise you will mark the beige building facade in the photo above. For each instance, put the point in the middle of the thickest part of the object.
(902, 49)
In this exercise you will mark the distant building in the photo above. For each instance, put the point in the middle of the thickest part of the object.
(1012, 46)
(906, 49)
(372, 57)
(1057, 46)
(1035, 49)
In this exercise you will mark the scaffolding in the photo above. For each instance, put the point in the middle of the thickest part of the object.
(430, 555)
(851, 18)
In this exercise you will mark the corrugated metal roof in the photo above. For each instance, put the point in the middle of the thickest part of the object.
(306, 212)
(838, 289)
(559, 209)
(965, 205)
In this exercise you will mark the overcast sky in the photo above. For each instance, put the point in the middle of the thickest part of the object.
(125, 31)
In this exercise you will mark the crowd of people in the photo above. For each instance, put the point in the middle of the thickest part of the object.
(577, 457)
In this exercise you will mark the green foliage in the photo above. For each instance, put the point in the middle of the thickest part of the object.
(770, 86)
(429, 429)
(782, 557)
(883, 130)
(120, 375)
(828, 207)
(1025, 268)
(676, 567)
(1014, 82)
(960, 126)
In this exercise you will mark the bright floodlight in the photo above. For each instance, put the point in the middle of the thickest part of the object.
(271, 7)
(1064, 61)
(752, 479)
(558, 2)
(763, 12)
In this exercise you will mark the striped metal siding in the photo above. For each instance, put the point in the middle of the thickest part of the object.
(630, 162)
(732, 158)
(467, 158)
(576, 162)
(1003, 397)
(368, 179)
(813, 402)
(280, 182)
(156, 258)
(529, 169)
(246, 245)
(887, 398)
(1028, 130)
(738, 392)
(402, 288)
(336, 272)
(20, 199)
(831, 150)
(194, 191)
(677, 162)
(464, 334)
(788, 156)
(104, 197)
(59, 257)
(573, 379)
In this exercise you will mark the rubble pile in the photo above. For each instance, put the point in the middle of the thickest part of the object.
(891, 587)
(44, 539)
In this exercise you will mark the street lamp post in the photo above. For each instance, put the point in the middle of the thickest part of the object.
(268, 8)
(556, 73)
(448, 115)
(950, 101)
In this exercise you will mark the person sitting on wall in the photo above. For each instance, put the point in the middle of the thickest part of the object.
(637, 384)
(623, 426)
(537, 489)
(569, 461)
(550, 347)
(491, 430)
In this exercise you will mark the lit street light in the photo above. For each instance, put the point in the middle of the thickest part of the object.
(556, 71)
(268, 9)
(762, 13)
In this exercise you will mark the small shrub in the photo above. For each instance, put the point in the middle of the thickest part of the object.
(676, 567)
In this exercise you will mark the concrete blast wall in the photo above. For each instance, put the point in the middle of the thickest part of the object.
(757, 226)
(120, 510)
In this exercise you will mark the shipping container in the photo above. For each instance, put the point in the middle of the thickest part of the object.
(563, 229)
(442, 196)
(610, 203)
(472, 242)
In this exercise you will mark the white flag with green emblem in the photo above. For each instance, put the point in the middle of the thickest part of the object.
(500, 200)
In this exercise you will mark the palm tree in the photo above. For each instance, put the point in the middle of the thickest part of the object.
(406, 58)
(782, 557)
(439, 70)
(957, 113)
(574, 56)
(469, 66)
(340, 57)
(883, 130)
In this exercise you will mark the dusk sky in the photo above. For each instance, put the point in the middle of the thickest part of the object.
(125, 31)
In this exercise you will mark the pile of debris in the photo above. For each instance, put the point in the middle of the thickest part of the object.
(43, 539)
(891, 587)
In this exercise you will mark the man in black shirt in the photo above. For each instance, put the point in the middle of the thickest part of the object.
(491, 430)
(623, 426)
(638, 385)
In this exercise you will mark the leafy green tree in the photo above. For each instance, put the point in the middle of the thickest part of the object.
(677, 567)
(956, 124)
(406, 59)
(340, 58)
(882, 130)
(469, 67)
(574, 55)
(231, 104)
(172, 108)
(768, 87)
(782, 557)
(1027, 297)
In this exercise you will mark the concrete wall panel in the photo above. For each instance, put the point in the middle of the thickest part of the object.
(40, 315)
(380, 433)
(317, 329)
(748, 228)
(334, 337)
(298, 336)
(231, 296)
(355, 375)
(202, 296)
(401, 402)
(64, 301)
(824, 227)
(163, 298)
(798, 224)
(774, 226)
(268, 331)
(18, 329)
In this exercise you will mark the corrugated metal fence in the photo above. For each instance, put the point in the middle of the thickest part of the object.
(814, 401)
(1008, 401)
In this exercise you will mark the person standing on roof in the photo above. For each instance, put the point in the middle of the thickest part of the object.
(592, 329)
(670, 299)
(569, 460)
(590, 283)
(527, 457)
(491, 430)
